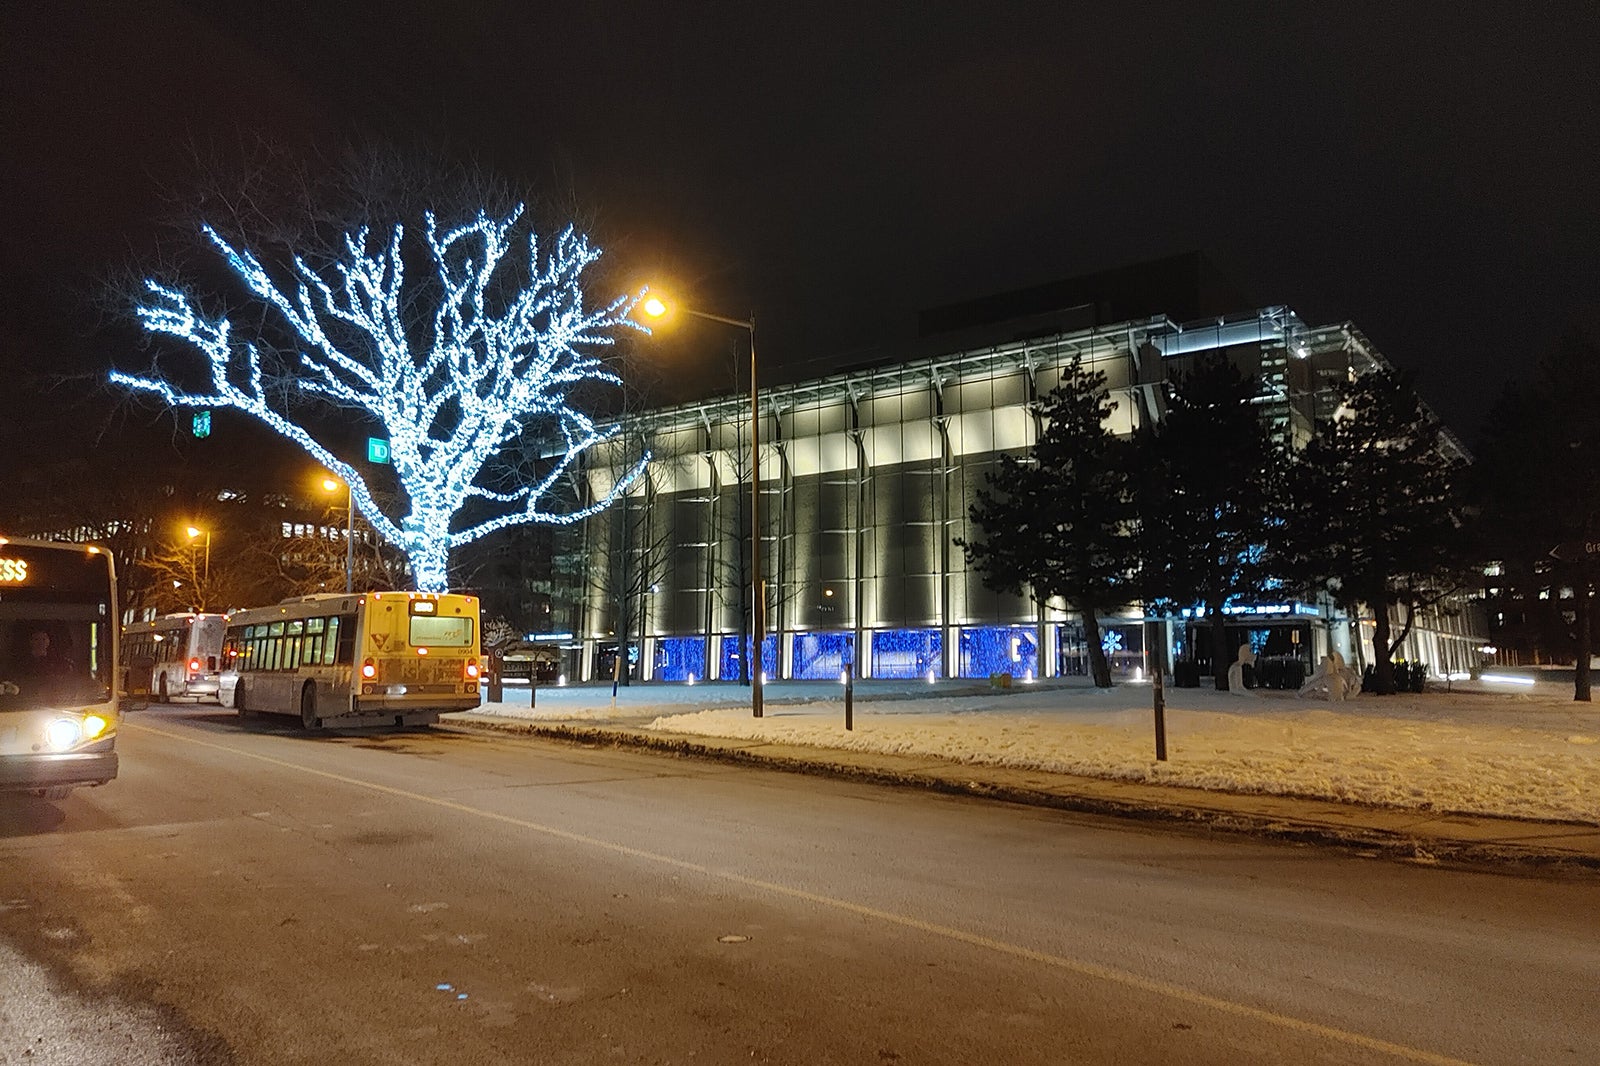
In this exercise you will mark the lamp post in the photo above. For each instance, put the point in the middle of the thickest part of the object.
(193, 533)
(329, 484)
(655, 307)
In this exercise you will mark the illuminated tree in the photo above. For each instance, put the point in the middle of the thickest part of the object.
(491, 359)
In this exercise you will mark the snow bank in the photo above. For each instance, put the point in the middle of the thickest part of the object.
(1532, 754)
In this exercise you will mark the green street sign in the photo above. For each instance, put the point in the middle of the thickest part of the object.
(202, 424)
(377, 450)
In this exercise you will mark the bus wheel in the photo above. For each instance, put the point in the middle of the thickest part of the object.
(308, 707)
(161, 690)
(238, 700)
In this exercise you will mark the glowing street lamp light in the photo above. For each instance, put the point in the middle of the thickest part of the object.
(193, 533)
(656, 307)
(331, 485)
(202, 583)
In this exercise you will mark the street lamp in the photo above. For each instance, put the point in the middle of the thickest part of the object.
(655, 307)
(193, 533)
(329, 485)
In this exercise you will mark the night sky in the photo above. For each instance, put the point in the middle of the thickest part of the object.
(1429, 171)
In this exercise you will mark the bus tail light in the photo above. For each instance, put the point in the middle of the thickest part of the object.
(369, 669)
(194, 666)
(472, 670)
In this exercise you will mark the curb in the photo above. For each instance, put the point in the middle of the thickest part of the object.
(1366, 842)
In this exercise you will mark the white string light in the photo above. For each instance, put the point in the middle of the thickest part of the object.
(495, 363)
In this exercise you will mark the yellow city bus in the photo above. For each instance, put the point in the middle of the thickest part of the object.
(342, 659)
(58, 656)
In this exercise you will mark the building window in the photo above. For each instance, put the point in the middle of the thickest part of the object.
(733, 645)
(680, 659)
(989, 650)
(906, 653)
(819, 656)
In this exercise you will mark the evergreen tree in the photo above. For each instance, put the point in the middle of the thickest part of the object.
(1376, 519)
(1060, 520)
(1208, 498)
(1538, 486)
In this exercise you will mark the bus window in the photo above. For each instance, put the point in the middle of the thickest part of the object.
(315, 629)
(436, 632)
(291, 645)
(274, 646)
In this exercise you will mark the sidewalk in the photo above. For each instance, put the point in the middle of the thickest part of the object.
(904, 734)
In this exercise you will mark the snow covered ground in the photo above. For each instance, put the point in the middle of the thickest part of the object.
(1530, 752)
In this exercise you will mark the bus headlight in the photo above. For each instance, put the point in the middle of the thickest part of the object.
(93, 726)
(62, 733)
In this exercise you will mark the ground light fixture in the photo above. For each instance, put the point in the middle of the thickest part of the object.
(1505, 679)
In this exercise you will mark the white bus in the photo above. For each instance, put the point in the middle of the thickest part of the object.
(174, 655)
(342, 659)
(58, 641)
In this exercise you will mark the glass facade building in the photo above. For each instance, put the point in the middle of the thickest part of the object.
(867, 479)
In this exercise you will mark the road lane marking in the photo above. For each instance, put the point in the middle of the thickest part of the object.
(1018, 951)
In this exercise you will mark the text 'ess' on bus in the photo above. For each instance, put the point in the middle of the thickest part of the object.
(337, 659)
(58, 637)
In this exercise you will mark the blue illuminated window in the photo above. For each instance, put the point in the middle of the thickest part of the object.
(731, 647)
(989, 650)
(680, 659)
(821, 655)
(907, 653)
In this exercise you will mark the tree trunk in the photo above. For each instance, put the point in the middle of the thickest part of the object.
(1382, 665)
(428, 552)
(1099, 668)
(1584, 609)
(1405, 630)
(1221, 654)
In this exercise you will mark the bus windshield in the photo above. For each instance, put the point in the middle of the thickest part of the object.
(55, 630)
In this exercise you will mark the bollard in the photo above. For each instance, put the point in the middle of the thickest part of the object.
(495, 687)
(1158, 690)
(849, 701)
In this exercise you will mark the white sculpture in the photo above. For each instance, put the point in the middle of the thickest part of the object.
(1333, 680)
(1236, 671)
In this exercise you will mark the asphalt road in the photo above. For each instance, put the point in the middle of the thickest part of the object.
(255, 895)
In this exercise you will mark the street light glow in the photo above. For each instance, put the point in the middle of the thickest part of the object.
(193, 532)
(653, 307)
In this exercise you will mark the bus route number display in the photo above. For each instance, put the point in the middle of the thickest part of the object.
(13, 571)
